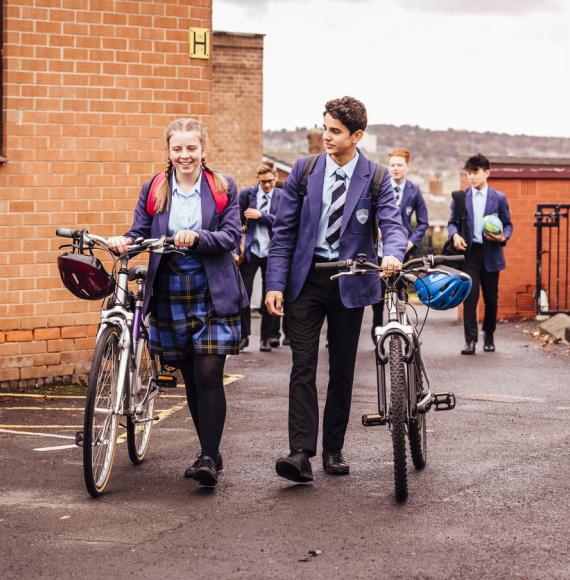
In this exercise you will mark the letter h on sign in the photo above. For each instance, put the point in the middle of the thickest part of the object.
(199, 43)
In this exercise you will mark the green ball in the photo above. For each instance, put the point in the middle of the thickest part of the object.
(492, 225)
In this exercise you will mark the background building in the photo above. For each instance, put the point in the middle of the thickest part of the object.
(88, 93)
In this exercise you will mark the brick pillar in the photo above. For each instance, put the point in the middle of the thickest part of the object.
(237, 105)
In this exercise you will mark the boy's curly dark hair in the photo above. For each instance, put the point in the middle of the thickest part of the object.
(476, 162)
(349, 111)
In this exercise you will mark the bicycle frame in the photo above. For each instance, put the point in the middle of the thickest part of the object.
(130, 325)
(398, 325)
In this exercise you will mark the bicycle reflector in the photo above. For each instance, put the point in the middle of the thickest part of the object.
(442, 291)
(85, 276)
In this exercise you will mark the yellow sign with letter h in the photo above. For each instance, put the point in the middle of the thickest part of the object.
(199, 43)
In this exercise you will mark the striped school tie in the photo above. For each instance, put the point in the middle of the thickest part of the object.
(264, 203)
(397, 197)
(338, 197)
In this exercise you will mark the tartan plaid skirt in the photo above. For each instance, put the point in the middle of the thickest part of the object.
(182, 318)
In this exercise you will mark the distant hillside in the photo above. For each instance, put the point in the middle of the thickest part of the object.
(439, 153)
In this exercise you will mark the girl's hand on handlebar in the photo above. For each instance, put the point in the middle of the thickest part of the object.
(390, 265)
(118, 244)
(186, 238)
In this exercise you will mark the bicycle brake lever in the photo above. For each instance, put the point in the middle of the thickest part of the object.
(351, 273)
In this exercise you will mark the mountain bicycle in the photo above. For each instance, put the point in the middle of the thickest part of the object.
(403, 385)
(124, 378)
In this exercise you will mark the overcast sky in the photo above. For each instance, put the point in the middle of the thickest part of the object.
(485, 65)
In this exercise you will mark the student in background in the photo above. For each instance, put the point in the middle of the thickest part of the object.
(484, 257)
(258, 206)
(411, 203)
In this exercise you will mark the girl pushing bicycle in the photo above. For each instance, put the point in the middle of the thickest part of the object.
(194, 298)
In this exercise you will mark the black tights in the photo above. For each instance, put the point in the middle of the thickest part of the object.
(204, 379)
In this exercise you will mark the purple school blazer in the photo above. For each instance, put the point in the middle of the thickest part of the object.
(248, 198)
(413, 202)
(219, 236)
(493, 253)
(295, 233)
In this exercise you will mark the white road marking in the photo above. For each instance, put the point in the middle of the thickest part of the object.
(56, 448)
(74, 409)
(501, 398)
(162, 415)
(37, 434)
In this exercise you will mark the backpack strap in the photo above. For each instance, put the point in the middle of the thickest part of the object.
(460, 210)
(379, 174)
(308, 169)
(221, 198)
(151, 199)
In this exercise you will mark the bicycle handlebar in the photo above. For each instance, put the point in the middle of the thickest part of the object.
(331, 265)
(67, 233)
(164, 244)
(429, 261)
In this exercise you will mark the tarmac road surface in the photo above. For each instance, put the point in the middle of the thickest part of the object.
(493, 502)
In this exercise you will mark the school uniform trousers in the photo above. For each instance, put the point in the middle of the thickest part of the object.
(248, 198)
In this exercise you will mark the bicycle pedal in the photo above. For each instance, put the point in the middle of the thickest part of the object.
(373, 419)
(443, 401)
(79, 439)
(164, 381)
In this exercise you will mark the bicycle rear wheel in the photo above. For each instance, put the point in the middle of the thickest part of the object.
(398, 417)
(100, 422)
(139, 425)
(417, 431)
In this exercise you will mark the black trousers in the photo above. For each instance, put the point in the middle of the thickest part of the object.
(483, 280)
(320, 299)
(269, 324)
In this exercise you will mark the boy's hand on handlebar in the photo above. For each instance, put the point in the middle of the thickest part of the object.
(186, 238)
(118, 244)
(274, 303)
(390, 265)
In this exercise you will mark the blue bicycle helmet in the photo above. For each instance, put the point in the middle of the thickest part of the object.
(442, 291)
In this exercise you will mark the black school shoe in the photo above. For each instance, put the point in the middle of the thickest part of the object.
(489, 343)
(469, 347)
(206, 473)
(244, 343)
(264, 346)
(334, 463)
(191, 471)
(274, 342)
(295, 467)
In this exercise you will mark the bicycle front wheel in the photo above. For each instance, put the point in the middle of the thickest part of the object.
(100, 422)
(398, 417)
(139, 424)
(417, 431)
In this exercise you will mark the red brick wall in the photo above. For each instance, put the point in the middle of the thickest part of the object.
(518, 280)
(237, 105)
(88, 93)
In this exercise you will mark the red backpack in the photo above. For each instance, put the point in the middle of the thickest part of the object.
(220, 197)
